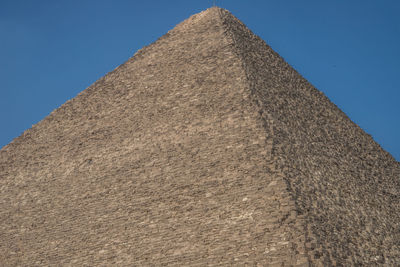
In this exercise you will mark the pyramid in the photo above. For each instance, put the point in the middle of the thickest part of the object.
(204, 148)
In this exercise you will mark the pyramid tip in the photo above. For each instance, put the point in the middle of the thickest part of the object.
(214, 9)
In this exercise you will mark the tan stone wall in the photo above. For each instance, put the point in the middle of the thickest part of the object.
(205, 148)
(164, 161)
(344, 183)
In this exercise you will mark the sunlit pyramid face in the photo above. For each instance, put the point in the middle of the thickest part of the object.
(204, 148)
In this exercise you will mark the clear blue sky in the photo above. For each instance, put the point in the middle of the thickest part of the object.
(51, 50)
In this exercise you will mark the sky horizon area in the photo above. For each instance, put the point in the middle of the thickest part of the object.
(50, 51)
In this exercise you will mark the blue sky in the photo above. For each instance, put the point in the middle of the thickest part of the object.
(51, 50)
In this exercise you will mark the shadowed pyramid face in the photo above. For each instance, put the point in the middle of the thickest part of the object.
(204, 148)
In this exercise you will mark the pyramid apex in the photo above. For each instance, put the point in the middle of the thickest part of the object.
(204, 148)
(205, 16)
(209, 12)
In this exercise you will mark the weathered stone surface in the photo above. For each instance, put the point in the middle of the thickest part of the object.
(204, 148)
